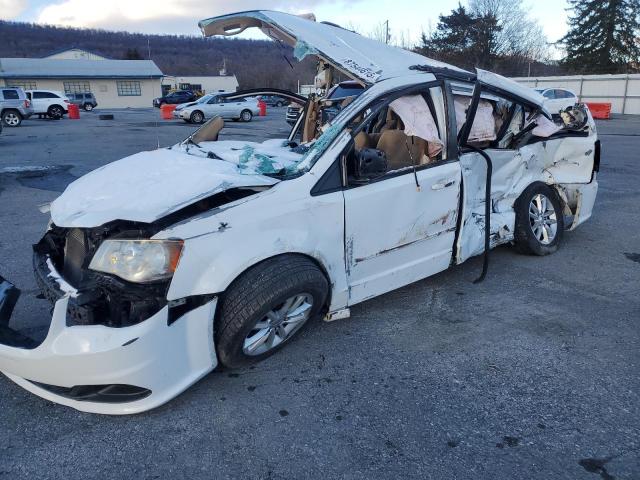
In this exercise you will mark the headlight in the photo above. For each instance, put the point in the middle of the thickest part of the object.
(138, 260)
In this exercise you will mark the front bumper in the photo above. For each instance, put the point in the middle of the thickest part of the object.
(125, 370)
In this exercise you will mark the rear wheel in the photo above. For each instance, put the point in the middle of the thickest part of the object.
(55, 111)
(246, 115)
(196, 117)
(266, 306)
(539, 220)
(11, 118)
(279, 104)
(88, 107)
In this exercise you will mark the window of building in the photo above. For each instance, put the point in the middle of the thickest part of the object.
(129, 88)
(76, 86)
(23, 84)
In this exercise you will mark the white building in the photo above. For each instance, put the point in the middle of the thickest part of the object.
(114, 83)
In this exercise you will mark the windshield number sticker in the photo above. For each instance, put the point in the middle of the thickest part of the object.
(366, 73)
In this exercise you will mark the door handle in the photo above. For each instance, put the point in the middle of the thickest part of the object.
(443, 184)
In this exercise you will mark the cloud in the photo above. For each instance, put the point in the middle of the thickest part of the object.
(10, 9)
(155, 16)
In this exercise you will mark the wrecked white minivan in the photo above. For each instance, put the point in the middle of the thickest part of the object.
(168, 263)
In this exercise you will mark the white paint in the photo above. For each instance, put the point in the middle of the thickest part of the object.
(145, 187)
(397, 234)
(166, 359)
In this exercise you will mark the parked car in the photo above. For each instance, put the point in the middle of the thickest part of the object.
(274, 100)
(203, 99)
(557, 99)
(168, 263)
(174, 98)
(85, 100)
(50, 103)
(14, 106)
(220, 106)
(341, 91)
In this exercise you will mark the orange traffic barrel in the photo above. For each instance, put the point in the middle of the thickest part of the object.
(601, 111)
(263, 108)
(74, 111)
(166, 111)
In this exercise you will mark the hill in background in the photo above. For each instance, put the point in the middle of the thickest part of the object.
(256, 63)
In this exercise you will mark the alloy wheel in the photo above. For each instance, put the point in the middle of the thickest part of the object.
(543, 219)
(278, 325)
(11, 119)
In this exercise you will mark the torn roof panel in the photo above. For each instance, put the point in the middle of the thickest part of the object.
(364, 58)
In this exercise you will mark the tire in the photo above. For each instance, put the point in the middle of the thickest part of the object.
(11, 118)
(88, 107)
(279, 104)
(196, 117)
(248, 307)
(55, 111)
(539, 233)
(246, 115)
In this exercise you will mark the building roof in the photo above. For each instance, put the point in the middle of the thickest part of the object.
(67, 49)
(48, 68)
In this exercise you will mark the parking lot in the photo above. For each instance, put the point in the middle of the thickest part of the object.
(532, 374)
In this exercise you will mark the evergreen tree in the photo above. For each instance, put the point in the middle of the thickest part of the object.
(603, 36)
(463, 39)
(132, 54)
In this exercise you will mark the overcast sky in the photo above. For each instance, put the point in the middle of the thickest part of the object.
(408, 17)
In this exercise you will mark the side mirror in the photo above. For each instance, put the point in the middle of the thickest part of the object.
(371, 163)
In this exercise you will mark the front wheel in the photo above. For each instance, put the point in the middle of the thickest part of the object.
(246, 116)
(88, 107)
(56, 112)
(266, 306)
(11, 118)
(196, 117)
(539, 220)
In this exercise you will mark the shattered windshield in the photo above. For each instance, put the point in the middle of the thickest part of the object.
(279, 158)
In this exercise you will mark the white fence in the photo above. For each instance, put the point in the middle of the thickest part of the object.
(621, 91)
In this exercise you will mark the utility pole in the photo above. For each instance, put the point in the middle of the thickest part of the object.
(387, 36)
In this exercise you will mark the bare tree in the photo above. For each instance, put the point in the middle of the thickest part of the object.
(519, 36)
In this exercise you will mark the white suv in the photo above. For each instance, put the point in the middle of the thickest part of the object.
(48, 102)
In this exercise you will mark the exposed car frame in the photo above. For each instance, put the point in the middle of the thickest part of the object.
(314, 223)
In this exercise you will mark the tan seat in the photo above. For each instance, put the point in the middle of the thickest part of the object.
(394, 144)
(362, 140)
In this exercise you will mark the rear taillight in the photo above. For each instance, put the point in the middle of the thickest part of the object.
(27, 104)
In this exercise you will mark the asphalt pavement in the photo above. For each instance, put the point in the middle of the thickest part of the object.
(532, 374)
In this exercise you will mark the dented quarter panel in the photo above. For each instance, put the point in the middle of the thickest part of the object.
(565, 163)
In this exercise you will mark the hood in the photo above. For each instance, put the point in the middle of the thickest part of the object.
(146, 187)
(185, 105)
(359, 57)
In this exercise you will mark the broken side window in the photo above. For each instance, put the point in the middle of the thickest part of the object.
(405, 133)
